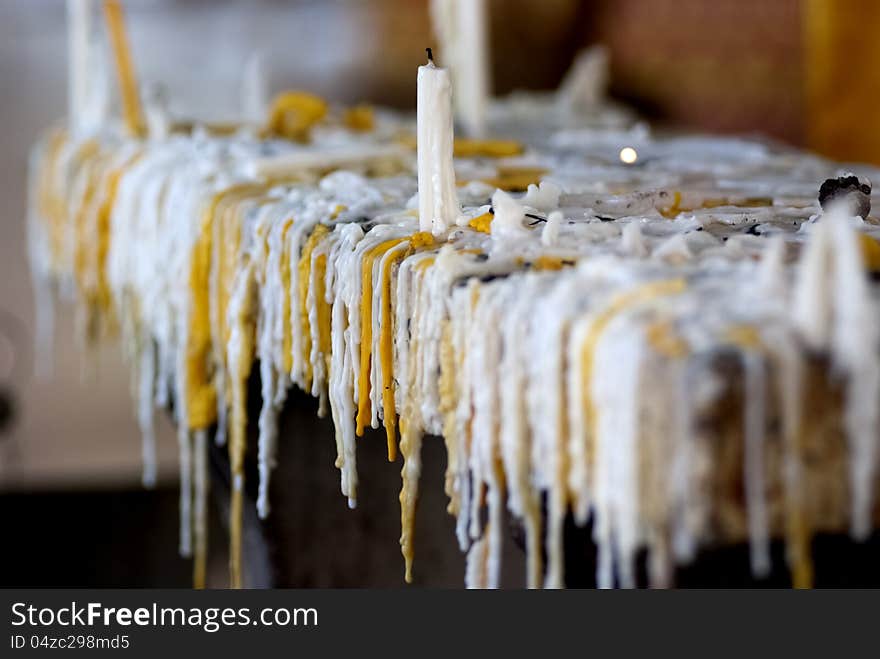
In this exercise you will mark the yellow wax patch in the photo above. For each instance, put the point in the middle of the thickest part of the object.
(363, 411)
(293, 115)
(752, 202)
(305, 269)
(359, 118)
(468, 148)
(672, 211)
(516, 179)
(482, 223)
(749, 202)
(215, 128)
(756, 201)
(128, 88)
(744, 336)
(662, 337)
(545, 262)
(421, 239)
(870, 252)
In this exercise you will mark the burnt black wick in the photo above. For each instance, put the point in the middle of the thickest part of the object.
(537, 218)
(848, 189)
(430, 55)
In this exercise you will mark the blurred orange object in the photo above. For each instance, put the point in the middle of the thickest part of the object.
(842, 77)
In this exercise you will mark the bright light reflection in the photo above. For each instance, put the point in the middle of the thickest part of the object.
(628, 155)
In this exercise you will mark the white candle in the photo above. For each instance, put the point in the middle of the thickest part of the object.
(438, 199)
(80, 22)
(461, 26)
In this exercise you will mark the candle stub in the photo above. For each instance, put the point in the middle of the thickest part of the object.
(849, 190)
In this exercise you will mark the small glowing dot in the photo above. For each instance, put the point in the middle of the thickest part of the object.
(628, 155)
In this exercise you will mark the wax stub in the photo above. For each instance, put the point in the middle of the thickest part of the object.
(849, 189)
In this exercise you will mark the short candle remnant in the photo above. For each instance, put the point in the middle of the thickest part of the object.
(854, 192)
(438, 199)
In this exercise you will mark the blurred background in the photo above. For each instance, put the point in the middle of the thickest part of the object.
(803, 71)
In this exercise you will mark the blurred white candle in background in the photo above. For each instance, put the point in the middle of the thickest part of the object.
(461, 26)
(438, 199)
(80, 26)
(472, 66)
(255, 89)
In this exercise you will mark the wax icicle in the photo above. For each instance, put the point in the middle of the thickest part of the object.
(184, 440)
(146, 389)
(200, 508)
(753, 464)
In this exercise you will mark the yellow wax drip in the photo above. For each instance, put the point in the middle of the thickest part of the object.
(546, 262)
(128, 88)
(305, 268)
(386, 355)
(324, 310)
(363, 411)
(286, 302)
(410, 447)
(201, 393)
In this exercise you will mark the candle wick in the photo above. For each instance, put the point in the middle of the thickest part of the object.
(430, 55)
